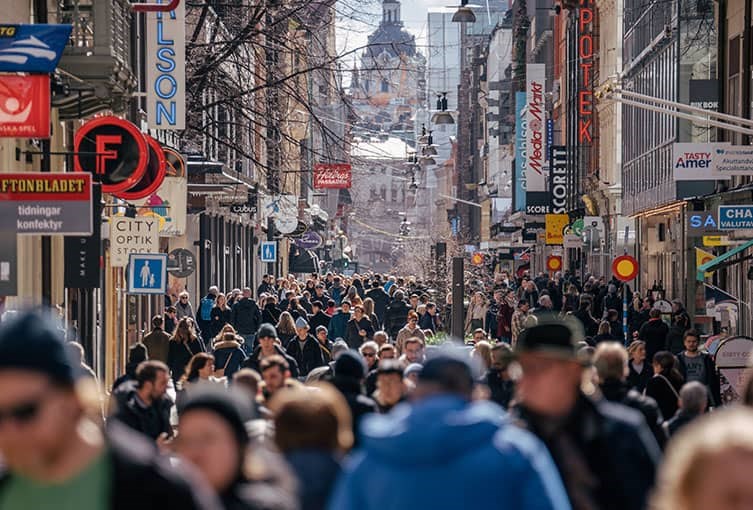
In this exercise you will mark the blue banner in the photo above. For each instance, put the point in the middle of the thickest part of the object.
(519, 179)
(32, 48)
(735, 217)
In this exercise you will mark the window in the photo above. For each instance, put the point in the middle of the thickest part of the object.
(385, 86)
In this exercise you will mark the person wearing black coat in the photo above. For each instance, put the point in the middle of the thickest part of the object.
(152, 419)
(349, 373)
(183, 345)
(654, 333)
(268, 333)
(395, 316)
(219, 317)
(271, 313)
(665, 385)
(359, 329)
(246, 317)
(305, 350)
(692, 356)
(381, 300)
(590, 325)
(318, 317)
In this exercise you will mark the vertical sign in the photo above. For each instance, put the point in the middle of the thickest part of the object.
(585, 64)
(166, 68)
(82, 254)
(519, 194)
(558, 179)
(535, 127)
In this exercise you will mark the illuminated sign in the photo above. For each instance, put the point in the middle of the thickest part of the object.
(558, 179)
(535, 127)
(586, 62)
(519, 195)
(25, 106)
(166, 68)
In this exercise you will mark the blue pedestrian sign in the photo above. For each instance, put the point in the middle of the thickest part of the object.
(735, 217)
(32, 48)
(269, 251)
(147, 273)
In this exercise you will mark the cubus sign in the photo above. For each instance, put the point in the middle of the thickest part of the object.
(166, 68)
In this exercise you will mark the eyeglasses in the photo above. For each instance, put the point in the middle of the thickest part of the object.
(183, 298)
(369, 354)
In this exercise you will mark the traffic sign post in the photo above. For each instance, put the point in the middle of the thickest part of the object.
(147, 273)
(477, 259)
(554, 263)
(269, 251)
(625, 269)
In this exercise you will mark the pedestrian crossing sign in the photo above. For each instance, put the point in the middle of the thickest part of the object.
(269, 251)
(147, 273)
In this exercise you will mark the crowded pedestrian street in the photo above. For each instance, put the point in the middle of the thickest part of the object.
(376, 255)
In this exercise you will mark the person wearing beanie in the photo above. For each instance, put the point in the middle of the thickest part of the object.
(305, 349)
(412, 372)
(426, 455)
(137, 353)
(53, 455)
(349, 374)
(268, 345)
(222, 415)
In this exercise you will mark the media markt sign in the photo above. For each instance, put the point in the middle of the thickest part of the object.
(46, 204)
(735, 217)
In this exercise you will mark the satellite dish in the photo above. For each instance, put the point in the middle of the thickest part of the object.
(286, 224)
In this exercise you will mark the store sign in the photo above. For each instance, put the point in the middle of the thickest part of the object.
(696, 161)
(572, 241)
(327, 176)
(555, 228)
(25, 106)
(585, 64)
(537, 203)
(704, 94)
(166, 68)
(168, 203)
(309, 241)
(732, 160)
(558, 179)
(132, 235)
(45, 204)
(702, 223)
(535, 127)
(113, 150)
(32, 48)
(519, 191)
(82, 255)
(153, 177)
(735, 217)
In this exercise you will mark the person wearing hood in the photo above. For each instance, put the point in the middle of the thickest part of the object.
(400, 460)
(350, 372)
(680, 324)
(246, 317)
(228, 354)
(314, 456)
(610, 361)
(268, 346)
(137, 353)
(318, 317)
(224, 460)
(305, 349)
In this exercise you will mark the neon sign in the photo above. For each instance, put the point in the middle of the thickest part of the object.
(585, 64)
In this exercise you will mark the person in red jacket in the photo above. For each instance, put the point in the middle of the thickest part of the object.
(504, 317)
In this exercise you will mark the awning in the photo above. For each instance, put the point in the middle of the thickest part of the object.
(303, 261)
(724, 260)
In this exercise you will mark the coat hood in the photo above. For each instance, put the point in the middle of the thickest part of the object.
(227, 344)
(410, 434)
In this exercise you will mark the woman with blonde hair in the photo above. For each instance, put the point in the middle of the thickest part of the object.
(482, 351)
(708, 464)
(476, 316)
(285, 328)
(368, 311)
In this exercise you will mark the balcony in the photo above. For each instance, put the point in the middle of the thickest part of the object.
(97, 60)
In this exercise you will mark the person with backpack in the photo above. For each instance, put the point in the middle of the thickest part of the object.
(204, 320)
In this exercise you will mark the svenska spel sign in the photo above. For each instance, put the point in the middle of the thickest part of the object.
(33, 203)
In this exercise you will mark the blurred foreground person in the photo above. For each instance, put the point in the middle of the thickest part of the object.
(55, 457)
(314, 452)
(213, 438)
(708, 464)
(428, 455)
(605, 453)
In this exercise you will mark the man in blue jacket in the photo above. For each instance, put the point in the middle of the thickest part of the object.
(446, 452)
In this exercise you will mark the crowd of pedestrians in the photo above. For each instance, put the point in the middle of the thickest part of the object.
(346, 393)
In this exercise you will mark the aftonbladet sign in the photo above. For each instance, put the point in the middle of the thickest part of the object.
(332, 176)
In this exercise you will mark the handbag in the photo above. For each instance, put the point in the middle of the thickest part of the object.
(219, 373)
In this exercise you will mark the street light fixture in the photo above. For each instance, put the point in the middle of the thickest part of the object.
(442, 116)
(464, 14)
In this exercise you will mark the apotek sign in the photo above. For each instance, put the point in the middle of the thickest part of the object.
(45, 204)
(166, 69)
(585, 64)
(332, 176)
(25, 106)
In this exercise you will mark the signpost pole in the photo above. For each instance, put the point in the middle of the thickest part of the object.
(458, 294)
(625, 296)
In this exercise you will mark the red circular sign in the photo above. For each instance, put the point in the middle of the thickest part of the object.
(154, 175)
(113, 150)
(625, 268)
(554, 263)
(477, 259)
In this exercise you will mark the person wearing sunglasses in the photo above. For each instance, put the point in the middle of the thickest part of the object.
(183, 307)
(54, 455)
